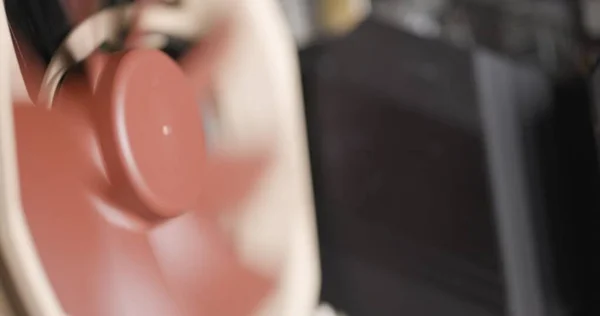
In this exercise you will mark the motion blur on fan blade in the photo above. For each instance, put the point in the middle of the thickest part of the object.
(122, 198)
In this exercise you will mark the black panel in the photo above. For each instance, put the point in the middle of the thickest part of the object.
(400, 174)
(445, 181)
(43, 23)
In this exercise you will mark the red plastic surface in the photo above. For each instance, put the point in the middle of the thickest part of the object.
(122, 198)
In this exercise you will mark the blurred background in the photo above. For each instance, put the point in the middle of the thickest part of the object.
(453, 153)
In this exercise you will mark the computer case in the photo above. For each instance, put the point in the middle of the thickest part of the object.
(451, 178)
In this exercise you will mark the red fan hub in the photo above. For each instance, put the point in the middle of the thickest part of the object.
(151, 131)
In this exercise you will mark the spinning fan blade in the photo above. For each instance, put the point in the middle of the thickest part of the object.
(199, 64)
(228, 179)
(202, 267)
(201, 60)
(79, 10)
(182, 265)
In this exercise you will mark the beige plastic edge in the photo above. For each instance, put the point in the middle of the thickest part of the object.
(18, 251)
(189, 20)
(264, 47)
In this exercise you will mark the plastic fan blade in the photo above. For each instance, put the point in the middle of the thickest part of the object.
(202, 60)
(79, 10)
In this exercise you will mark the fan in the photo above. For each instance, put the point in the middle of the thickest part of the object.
(119, 206)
